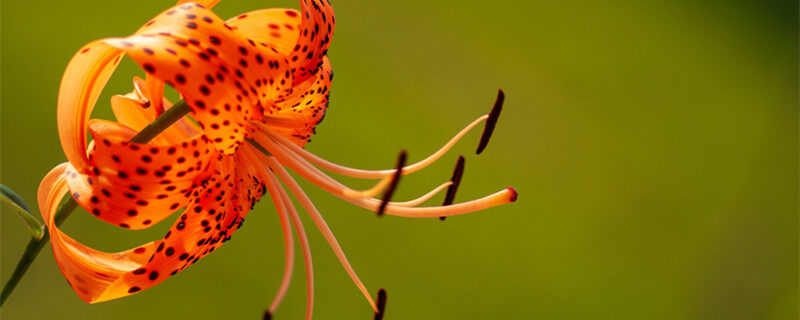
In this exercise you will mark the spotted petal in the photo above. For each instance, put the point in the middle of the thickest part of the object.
(224, 77)
(88, 271)
(214, 212)
(136, 110)
(296, 116)
(137, 185)
(81, 85)
(293, 116)
(316, 31)
(278, 27)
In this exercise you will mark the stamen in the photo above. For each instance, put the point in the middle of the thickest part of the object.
(274, 186)
(288, 241)
(371, 192)
(490, 124)
(420, 200)
(401, 162)
(301, 196)
(269, 147)
(285, 156)
(381, 304)
(360, 173)
(456, 179)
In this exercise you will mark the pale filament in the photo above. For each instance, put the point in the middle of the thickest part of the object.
(286, 227)
(301, 196)
(368, 174)
(288, 240)
(314, 175)
(274, 187)
(501, 197)
(423, 198)
(320, 179)
(276, 151)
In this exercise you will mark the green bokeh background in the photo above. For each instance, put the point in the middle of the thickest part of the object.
(654, 145)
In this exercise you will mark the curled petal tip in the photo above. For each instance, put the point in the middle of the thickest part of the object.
(491, 122)
(387, 196)
(381, 303)
(514, 194)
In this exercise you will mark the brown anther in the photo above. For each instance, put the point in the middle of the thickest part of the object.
(267, 315)
(381, 302)
(450, 196)
(491, 121)
(145, 104)
(387, 196)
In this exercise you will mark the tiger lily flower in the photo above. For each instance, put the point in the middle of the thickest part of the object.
(256, 86)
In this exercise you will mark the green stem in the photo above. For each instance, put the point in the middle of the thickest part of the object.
(176, 112)
(166, 119)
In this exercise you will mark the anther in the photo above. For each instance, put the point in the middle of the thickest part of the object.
(456, 179)
(381, 302)
(491, 122)
(387, 196)
(267, 315)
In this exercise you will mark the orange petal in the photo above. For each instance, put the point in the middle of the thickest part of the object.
(296, 116)
(203, 30)
(316, 31)
(205, 3)
(215, 212)
(223, 76)
(278, 27)
(250, 184)
(132, 110)
(155, 90)
(88, 271)
(137, 185)
(83, 80)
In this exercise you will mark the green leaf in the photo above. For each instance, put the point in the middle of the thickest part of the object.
(15, 202)
(11, 195)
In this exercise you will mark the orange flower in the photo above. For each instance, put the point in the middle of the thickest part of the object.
(257, 85)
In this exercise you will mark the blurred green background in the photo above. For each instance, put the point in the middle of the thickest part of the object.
(654, 145)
